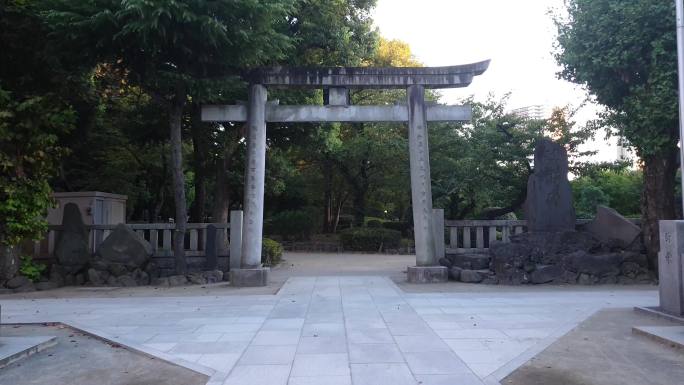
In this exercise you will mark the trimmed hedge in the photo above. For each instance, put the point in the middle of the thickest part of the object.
(403, 227)
(292, 225)
(370, 239)
(374, 223)
(271, 252)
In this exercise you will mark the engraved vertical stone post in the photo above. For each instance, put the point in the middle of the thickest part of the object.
(438, 230)
(211, 248)
(235, 239)
(254, 178)
(671, 267)
(421, 189)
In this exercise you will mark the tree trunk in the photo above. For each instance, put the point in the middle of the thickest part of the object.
(359, 207)
(9, 261)
(221, 208)
(328, 216)
(658, 200)
(339, 204)
(200, 150)
(220, 212)
(175, 124)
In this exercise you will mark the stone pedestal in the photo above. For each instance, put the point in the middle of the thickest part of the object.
(428, 274)
(249, 277)
(671, 267)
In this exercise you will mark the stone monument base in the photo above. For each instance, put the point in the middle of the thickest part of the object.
(428, 274)
(249, 277)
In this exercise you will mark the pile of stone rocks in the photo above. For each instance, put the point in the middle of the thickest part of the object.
(21, 284)
(469, 268)
(555, 250)
(198, 278)
(566, 257)
(605, 251)
(123, 259)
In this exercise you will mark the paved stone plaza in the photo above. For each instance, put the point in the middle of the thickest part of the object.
(361, 330)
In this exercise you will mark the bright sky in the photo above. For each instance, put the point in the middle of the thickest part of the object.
(518, 36)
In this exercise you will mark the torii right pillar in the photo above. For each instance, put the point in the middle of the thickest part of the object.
(427, 269)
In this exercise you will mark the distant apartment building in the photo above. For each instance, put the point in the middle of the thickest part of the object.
(535, 112)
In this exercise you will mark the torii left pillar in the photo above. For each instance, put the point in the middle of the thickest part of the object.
(427, 269)
(251, 271)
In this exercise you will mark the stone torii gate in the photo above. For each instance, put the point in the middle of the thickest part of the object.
(337, 81)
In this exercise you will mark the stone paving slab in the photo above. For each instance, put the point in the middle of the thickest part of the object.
(669, 335)
(13, 349)
(339, 330)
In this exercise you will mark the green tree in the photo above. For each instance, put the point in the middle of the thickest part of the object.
(624, 52)
(620, 186)
(125, 150)
(33, 114)
(480, 168)
(173, 49)
(29, 129)
(587, 199)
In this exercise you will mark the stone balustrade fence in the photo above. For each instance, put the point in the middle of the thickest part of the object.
(458, 236)
(228, 238)
(472, 236)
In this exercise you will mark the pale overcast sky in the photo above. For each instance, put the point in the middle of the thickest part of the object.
(518, 37)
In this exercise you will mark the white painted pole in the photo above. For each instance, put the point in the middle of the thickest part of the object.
(680, 57)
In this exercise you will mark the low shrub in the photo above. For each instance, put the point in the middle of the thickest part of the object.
(370, 239)
(292, 225)
(406, 243)
(271, 252)
(403, 227)
(374, 223)
(30, 269)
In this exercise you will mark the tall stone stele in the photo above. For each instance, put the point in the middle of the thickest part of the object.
(549, 205)
(71, 247)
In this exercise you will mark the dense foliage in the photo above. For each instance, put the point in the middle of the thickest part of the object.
(120, 84)
(619, 189)
(33, 117)
(371, 239)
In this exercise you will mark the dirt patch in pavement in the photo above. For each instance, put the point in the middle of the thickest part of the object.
(81, 359)
(603, 351)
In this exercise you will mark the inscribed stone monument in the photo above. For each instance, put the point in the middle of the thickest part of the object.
(71, 248)
(671, 267)
(549, 205)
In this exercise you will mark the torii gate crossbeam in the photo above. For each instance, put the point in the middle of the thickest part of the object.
(338, 81)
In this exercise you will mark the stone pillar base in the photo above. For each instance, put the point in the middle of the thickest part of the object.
(249, 277)
(428, 274)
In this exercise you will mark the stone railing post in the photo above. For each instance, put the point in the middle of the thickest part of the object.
(235, 239)
(438, 231)
(210, 248)
(671, 267)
